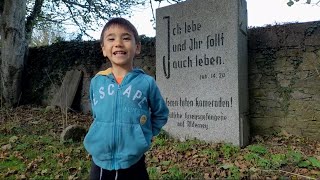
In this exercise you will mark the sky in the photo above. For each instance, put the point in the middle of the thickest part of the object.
(260, 13)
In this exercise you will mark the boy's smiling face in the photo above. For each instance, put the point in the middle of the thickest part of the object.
(119, 46)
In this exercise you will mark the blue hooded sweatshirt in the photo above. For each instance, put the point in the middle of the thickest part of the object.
(126, 117)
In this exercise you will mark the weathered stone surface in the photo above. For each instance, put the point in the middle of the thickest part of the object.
(285, 36)
(85, 105)
(296, 85)
(202, 69)
(65, 96)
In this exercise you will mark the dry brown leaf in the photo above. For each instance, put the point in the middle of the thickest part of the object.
(303, 171)
(10, 172)
(315, 172)
(195, 156)
(6, 147)
(223, 173)
(188, 153)
(22, 177)
(206, 176)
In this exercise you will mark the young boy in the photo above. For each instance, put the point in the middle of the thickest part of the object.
(127, 107)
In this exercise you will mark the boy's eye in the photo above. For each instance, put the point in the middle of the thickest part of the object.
(110, 39)
(126, 38)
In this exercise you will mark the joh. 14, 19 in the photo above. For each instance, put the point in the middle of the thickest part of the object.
(212, 76)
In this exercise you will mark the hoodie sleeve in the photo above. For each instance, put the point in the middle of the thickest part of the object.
(158, 107)
(92, 98)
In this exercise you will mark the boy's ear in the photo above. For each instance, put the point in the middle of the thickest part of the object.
(103, 51)
(138, 50)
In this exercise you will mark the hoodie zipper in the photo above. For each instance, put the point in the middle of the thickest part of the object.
(114, 130)
(116, 114)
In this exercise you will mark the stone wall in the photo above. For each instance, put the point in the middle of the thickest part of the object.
(284, 79)
(47, 66)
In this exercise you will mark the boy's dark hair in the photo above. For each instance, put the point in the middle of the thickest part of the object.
(123, 23)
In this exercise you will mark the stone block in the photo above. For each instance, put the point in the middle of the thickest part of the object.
(202, 69)
(65, 96)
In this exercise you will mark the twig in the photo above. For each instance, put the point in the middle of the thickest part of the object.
(69, 108)
(152, 10)
(1, 98)
(290, 173)
(66, 109)
(62, 117)
(66, 123)
(48, 75)
(19, 99)
(1, 86)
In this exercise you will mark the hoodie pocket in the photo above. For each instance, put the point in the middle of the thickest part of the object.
(132, 141)
(98, 141)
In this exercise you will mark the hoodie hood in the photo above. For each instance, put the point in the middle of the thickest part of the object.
(127, 78)
(109, 71)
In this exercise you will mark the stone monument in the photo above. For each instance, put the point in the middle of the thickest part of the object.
(201, 63)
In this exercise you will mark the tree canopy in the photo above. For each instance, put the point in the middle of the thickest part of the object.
(291, 2)
(85, 14)
(18, 19)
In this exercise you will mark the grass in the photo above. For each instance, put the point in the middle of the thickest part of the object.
(41, 157)
(31, 149)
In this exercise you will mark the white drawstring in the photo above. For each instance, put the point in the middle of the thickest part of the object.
(100, 173)
(116, 176)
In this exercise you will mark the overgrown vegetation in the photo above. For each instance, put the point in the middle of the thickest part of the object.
(47, 65)
(30, 149)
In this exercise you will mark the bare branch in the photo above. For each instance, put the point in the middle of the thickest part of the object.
(83, 30)
(153, 16)
(74, 3)
(85, 14)
(31, 20)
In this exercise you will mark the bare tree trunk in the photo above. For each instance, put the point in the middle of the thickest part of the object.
(13, 47)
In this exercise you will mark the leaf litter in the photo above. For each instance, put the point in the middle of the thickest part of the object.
(30, 149)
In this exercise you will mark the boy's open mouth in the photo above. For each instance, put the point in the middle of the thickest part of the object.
(119, 52)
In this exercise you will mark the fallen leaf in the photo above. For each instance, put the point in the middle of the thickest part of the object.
(315, 172)
(6, 147)
(72, 177)
(10, 172)
(22, 177)
(13, 139)
(207, 176)
(43, 172)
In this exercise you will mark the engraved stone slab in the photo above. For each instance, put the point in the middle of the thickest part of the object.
(201, 62)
